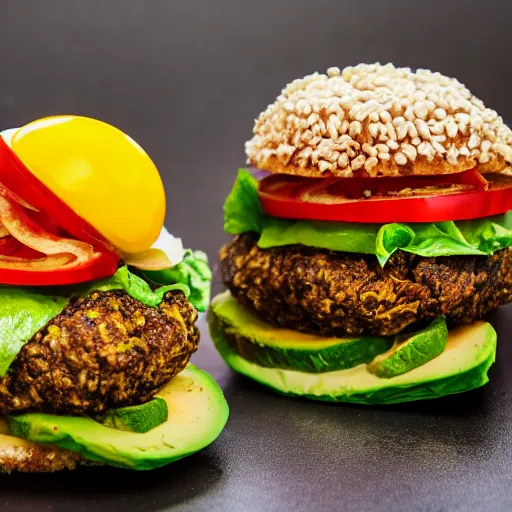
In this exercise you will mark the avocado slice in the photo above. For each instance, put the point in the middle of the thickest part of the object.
(411, 350)
(198, 413)
(470, 351)
(136, 418)
(267, 346)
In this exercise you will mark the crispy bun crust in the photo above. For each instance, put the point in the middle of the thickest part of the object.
(421, 167)
(18, 455)
(373, 120)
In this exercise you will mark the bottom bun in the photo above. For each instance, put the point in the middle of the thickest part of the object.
(23, 456)
(462, 366)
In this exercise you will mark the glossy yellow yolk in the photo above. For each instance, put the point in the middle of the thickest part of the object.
(101, 173)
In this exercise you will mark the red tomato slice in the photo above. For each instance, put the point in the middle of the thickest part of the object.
(425, 198)
(22, 184)
(46, 271)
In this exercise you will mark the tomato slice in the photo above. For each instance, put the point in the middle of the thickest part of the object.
(23, 185)
(46, 271)
(383, 200)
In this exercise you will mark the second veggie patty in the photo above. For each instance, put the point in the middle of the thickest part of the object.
(338, 294)
(107, 350)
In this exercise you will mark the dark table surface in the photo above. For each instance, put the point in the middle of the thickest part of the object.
(186, 80)
(280, 453)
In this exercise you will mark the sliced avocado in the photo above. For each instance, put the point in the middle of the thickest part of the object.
(270, 347)
(470, 351)
(412, 350)
(197, 409)
(136, 418)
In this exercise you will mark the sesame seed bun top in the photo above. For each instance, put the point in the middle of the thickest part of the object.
(374, 120)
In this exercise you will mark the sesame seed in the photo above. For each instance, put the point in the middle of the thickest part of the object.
(398, 121)
(413, 132)
(436, 128)
(355, 129)
(438, 147)
(357, 163)
(373, 128)
(423, 129)
(402, 131)
(382, 148)
(307, 135)
(409, 151)
(343, 161)
(485, 146)
(333, 156)
(451, 155)
(483, 158)
(312, 119)
(391, 131)
(474, 141)
(296, 139)
(464, 151)
(305, 153)
(452, 129)
(385, 116)
(344, 127)
(374, 117)
(342, 120)
(400, 158)
(369, 150)
(504, 150)
(440, 113)
(392, 144)
(323, 165)
(420, 109)
(426, 149)
(371, 163)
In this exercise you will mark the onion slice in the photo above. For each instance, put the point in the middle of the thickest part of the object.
(152, 259)
(166, 252)
(46, 263)
(29, 233)
(21, 234)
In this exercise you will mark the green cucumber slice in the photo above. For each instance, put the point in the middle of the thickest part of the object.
(463, 365)
(411, 351)
(267, 346)
(136, 418)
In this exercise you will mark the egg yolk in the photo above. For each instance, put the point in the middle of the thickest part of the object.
(100, 173)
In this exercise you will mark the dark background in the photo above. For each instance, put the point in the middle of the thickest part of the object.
(186, 79)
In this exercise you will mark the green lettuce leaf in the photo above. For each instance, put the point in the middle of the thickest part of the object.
(389, 238)
(194, 272)
(328, 235)
(243, 213)
(135, 286)
(242, 208)
(22, 314)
